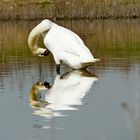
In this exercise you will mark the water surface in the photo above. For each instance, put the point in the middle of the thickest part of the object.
(102, 104)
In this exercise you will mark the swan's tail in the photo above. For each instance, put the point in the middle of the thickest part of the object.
(91, 63)
(34, 35)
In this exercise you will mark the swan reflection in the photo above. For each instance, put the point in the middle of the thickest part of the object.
(66, 93)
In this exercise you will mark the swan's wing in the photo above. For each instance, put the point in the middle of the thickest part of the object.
(68, 41)
(72, 52)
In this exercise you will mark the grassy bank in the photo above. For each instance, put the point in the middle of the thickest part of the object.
(68, 9)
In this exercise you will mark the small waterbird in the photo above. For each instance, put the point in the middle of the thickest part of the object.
(65, 45)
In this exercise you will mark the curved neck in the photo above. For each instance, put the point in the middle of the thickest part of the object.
(34, 35)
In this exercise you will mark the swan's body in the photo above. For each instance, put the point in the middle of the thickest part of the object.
(65, 45)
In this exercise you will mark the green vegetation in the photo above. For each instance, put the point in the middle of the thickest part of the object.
(69, 9)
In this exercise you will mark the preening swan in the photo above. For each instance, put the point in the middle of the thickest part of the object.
(66, 93)
(65, 45)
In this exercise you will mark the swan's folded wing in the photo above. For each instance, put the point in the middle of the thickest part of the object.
(69, 41)
(72, 52)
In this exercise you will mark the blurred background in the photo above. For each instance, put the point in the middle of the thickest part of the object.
(69, 9)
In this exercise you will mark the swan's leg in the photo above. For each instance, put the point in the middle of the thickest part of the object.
(57, 61)
(58, 69)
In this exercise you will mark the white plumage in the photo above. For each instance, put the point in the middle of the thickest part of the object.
(65, 94)
(65, 45)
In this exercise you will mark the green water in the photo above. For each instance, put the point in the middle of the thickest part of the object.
(108, 105)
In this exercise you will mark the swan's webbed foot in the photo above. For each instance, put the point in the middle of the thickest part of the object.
(58, 69)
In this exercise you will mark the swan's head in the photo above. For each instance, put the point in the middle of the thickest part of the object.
(41, 52)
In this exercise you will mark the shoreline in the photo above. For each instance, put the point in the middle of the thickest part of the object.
(69, 10)
(73, 19)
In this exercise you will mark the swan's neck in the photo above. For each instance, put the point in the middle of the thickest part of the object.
(34, 35)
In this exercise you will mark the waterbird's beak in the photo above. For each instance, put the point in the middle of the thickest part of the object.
(46, 52)
(47, 85)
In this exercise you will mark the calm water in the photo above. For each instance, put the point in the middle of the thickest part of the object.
(101, 105)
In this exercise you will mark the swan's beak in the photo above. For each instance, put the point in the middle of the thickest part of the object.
(45, 53)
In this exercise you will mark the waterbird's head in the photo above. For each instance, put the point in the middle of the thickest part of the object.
(41, 52)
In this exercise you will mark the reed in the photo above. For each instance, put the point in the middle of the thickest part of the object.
(69, 9)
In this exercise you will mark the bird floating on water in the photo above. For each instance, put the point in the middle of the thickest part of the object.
(65, 45)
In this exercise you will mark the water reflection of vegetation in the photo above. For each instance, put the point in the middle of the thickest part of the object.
(119, 52)
(106, 38)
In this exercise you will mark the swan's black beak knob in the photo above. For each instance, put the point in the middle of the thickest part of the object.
(46, 53)
(47, 85)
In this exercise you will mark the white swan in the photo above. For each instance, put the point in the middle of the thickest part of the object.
(65, 45)
(67, 91)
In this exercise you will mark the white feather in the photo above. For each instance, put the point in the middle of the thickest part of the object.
(64, 44)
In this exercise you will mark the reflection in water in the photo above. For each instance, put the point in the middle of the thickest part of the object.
(66, 92)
